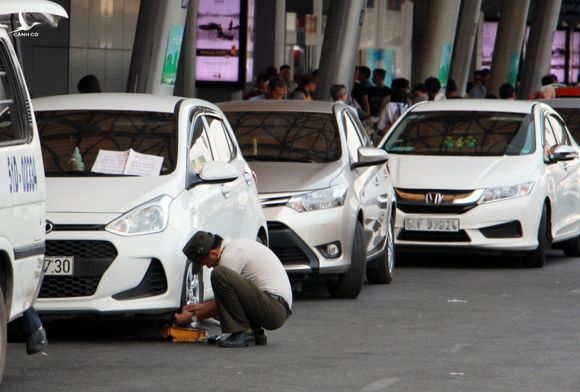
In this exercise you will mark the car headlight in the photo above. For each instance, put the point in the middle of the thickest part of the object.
(148, 218)
(319, 200)
(506, 192)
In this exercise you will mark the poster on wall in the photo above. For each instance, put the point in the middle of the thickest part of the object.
(382, 58)
(172, 55)
(220, 43)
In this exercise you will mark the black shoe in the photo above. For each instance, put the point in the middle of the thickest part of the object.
(37, 342)
(260, 337)
(214, 339)
(237, 339)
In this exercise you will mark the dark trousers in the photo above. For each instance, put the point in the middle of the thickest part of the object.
(241, 305)
(31, 322)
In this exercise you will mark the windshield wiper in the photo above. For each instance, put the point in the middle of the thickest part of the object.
(75, 173)
(268, 158)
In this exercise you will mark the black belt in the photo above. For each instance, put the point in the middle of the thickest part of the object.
(280, 299)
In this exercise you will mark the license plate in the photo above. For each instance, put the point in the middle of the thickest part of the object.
(432, 224)
(59, 265)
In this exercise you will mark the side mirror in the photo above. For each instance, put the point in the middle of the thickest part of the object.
(214, 171)
(562, 152)
(370, 156)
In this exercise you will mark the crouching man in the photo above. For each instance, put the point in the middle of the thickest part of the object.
(251, 288)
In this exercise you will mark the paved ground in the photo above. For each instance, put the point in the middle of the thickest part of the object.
(461, 325)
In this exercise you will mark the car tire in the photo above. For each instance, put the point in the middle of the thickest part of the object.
(382, 273)
(349, 284)
(3, 342)
(572, 248)
(537, 257)
(192, 291)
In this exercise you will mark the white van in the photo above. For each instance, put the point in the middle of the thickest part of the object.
(22, 185)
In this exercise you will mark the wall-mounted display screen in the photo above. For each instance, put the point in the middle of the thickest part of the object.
(220, 43)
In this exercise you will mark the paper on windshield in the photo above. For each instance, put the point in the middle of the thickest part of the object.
(128, 162)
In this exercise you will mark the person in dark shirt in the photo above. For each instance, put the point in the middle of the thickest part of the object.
(378, 92)
(360, 91)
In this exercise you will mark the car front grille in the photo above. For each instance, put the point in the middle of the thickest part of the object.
(436, 201)
(153, 283)
(429, 209)
(289, 248)
(433, 236)
(91, 260)
(511, 229)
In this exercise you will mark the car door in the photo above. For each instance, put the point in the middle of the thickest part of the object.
(371, 185)
(566, 182)
(237, 194)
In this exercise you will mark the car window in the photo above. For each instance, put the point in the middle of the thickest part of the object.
(287, 136)
(571, 117)
(559, 130)
(14, 118)
(199, 148)
(219, 139)
(71, 139)
(464, 133)
(353, 138)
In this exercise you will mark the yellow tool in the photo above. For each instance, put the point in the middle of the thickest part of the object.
(184, 335)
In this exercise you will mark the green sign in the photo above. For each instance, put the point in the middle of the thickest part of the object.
(172, 55)
(446, 52)
(514, 67)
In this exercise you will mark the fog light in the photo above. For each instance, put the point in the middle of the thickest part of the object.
(331, 250)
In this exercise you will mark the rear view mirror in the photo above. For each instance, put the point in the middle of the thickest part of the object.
(219, 172)
(563, 152)
(370, 156)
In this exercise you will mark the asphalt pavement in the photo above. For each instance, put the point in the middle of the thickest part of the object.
(460, 324)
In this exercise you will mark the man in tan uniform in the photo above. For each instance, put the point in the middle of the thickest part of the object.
(250, 285)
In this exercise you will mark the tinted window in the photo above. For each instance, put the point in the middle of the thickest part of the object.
(14, 121)
(220, 139)
(463, 133)
(352, 137)
(285, 136)
(199, 149)
(572, 119)
(559, 130)
(150, 133)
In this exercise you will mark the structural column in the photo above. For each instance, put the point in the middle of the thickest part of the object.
(508, 44)
(465, 39)
(437, 46)
(340, 46)
(539, 46)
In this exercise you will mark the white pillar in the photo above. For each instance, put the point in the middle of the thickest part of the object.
(508, 44)
(466, 33)
(539, 46)
(437, 47)
(280, 33)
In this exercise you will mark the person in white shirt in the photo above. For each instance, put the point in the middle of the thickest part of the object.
(251, 287)
(339, 94)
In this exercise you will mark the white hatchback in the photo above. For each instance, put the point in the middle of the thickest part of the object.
(486, 175)
(130, 177)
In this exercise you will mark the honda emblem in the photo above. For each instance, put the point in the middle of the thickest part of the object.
(433, 198)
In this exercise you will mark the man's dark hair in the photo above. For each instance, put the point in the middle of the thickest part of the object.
(337, 91)
(399, 84)
(381, 72)
(506, 91)
(276, 81)
(89, 84)
(263, 77)
(433, 85)
(271, 71)
(547, 79)
(451, 86)
(285, 66)
(420, 87)
(365, 71)
(217, 241)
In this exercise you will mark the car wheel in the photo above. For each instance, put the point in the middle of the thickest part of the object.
(3, 342)
(192, 292)
(382, 273)
(537, 257)
(349, 284)
(572, 248)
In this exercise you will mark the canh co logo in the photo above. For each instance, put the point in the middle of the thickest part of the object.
(22, 31)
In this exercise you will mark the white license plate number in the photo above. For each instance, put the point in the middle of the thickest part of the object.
(432, 224)
(59, 265)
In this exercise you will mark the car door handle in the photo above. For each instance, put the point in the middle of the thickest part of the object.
(383, 201)
(248, 178)
(225, 191)
(377, 181)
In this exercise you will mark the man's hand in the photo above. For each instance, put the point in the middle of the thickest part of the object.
(200, 311)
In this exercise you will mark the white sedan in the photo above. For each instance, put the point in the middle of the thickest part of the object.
(130, 177)
(486, 175)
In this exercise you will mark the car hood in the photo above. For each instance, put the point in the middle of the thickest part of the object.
(104, 194)
(435, 172)
(275, 177)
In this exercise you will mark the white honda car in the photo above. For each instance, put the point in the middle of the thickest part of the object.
(130, 177)
(485, 175)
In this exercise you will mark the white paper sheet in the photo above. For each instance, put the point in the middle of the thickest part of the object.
(127, 162)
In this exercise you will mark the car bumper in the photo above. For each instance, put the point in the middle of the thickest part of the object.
(299, 239)
(509, 225)
(28, 272)
(115, 274)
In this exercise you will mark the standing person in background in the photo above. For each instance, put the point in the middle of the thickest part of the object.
(419, 93)
(276, 90)
(89, 84)
(261, 86)
(433, 86)
(286, 74)
(394, 109)
(360, 91)
(305, 90)
(451, 91)
(478, 90)
(378, 92)
(339, 94)
(507, 91)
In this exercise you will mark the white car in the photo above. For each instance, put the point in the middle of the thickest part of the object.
(130, 178)
(326, 191)
(485, 175)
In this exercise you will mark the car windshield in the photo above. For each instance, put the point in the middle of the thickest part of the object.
(463, 133)
(287, 136)
(128, 142)
(572, 119)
